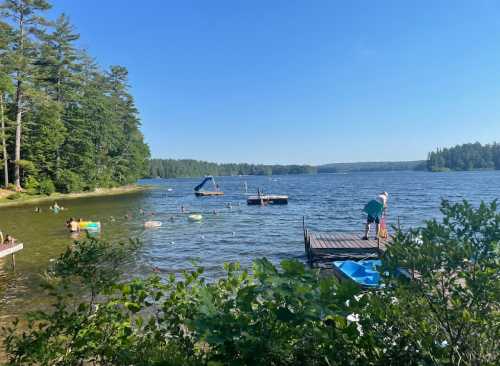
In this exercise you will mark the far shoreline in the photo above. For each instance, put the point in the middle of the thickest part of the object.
(98, 192)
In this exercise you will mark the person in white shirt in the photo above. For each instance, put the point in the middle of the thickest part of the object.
(374, 217)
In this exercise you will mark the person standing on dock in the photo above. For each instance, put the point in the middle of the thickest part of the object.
(375, 210)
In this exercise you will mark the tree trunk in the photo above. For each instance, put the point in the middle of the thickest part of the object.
(19, 113)
(19, 110)
(4, 146)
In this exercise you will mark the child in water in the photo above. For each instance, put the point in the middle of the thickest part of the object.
(73, 225)
(9, 240)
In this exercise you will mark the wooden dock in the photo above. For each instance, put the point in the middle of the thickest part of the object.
(329, 247)
(267, 199)
(6, 249)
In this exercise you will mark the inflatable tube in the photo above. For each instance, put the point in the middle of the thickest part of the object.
(195, 217)
(90, 225)
(152, 224)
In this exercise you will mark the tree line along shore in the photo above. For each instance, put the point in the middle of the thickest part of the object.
(473, 156)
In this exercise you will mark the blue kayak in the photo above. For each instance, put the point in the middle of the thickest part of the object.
(363, 273)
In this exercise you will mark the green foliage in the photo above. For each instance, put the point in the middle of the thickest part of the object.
(170, 168)
(46, 187)
(449, 311)
(447, 314)
(32, 185)
(465, 157)
(14, 196)
(69, 181)
(80, 126)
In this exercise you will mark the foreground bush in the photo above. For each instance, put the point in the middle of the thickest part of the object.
(447, 314)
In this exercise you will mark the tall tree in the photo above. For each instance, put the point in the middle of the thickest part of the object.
(29, 25)
(57, 77)
(6, 88)
(78, 126)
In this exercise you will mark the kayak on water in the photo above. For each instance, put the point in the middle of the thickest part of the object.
(152, 224)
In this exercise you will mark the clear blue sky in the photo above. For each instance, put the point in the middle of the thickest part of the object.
(302, 81)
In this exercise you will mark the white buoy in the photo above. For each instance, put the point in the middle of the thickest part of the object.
(152, 224)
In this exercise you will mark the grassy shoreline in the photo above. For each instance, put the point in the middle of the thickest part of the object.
(99, 192)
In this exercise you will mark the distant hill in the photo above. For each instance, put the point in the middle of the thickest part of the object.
(372, 166)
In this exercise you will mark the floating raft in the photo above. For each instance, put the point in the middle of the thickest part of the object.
(328, 247)
(267, 199)
(208, 193)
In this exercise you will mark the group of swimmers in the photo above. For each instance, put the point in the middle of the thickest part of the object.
(54, 208)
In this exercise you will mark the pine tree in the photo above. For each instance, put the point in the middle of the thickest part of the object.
(29, 25)
(78, 126)
(6, 88)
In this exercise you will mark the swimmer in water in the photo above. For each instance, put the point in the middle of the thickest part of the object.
(9, 240)
(73, 225)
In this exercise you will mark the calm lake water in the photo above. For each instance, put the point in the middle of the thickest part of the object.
(237, 233)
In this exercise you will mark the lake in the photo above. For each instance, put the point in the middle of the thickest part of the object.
(237, 232)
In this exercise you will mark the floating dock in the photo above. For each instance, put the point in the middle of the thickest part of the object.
(267, 199)
(208, 193)
(6, 249)
(329, 247)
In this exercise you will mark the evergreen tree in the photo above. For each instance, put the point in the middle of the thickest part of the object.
(78, 126)
(465, 157)
(6, 90)
(29, 25)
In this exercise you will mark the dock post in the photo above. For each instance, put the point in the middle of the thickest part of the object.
(13, 261)
(399, 225)
(304, 226)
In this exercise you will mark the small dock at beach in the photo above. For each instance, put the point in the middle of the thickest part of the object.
(329, 247)
(10, 249)
(267, 199)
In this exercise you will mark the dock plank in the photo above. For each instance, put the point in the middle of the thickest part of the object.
(343, 245)
(6, 249)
